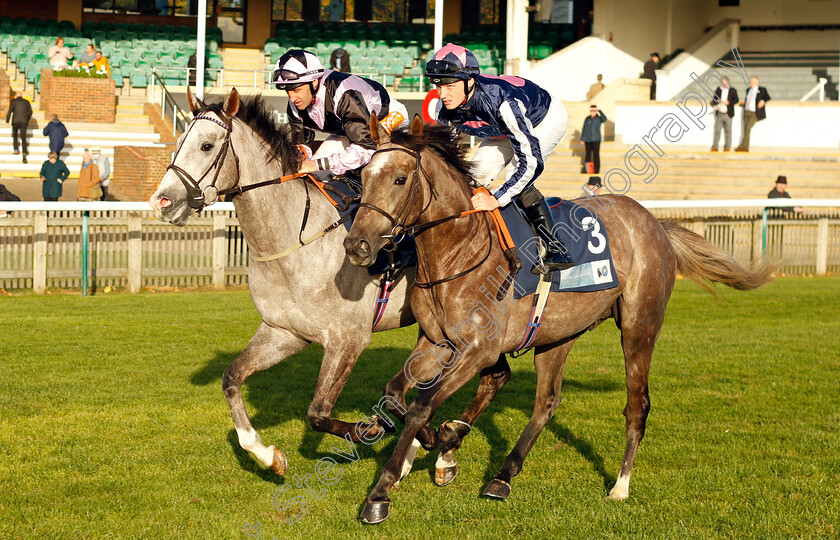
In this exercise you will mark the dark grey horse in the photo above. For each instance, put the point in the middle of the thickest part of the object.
(311, 295)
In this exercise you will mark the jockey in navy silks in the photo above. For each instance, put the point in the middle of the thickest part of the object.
(520, 124)
(336, 103)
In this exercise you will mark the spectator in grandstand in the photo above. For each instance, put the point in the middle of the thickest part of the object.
(780, 192)
(340, 60)
(88, 178)
(649, 72)
(104, 165)
(595, 88)
(56, 131)
(53, 174)
(724, 104)
(590, 134)
(59, 55)
(20, 111)
(89, 54)
(191, 63)
(754, 110)
(520, 123)
(592, 188)
(99, 64)
(336, 103)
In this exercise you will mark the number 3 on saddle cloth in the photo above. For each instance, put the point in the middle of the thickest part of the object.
(584, 236)
(389, 264)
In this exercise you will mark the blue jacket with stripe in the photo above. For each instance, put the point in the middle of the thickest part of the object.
(505, 107)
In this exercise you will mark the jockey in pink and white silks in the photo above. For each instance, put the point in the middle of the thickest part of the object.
(520, 124)
(336, 103)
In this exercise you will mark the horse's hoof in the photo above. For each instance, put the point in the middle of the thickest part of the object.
(444, 475)
(279, 464)
(375, 512)
(386, 427)
(617, 495)
(497, 489)
(372, 431)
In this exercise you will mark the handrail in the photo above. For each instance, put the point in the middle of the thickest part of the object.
(259, 76)
(179, 117)
(820, 86)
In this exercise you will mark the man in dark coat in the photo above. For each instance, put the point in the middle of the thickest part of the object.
(53, 173)
(649, 72)
(20, 111)
(754, 110)
(6, 195)
(56, 131)
(780, 192)
(340, 60)
(724, 104)
(590, 134)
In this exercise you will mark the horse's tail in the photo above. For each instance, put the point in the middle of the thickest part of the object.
(702, 262)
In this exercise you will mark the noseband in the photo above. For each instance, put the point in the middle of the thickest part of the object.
(198, 198)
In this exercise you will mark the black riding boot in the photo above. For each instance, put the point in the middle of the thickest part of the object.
(557, 256)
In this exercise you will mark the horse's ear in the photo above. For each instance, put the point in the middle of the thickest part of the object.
(192, 102)
(378, 133)
(416, 125)
(232, 103)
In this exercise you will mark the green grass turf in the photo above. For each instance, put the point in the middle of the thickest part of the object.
(113, 424)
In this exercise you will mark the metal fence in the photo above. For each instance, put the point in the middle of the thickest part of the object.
(127, 248)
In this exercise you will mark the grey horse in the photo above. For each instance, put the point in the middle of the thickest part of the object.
(311, 295)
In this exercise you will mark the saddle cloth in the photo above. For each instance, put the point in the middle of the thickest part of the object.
(584, 236)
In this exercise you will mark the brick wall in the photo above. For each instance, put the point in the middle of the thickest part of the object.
(163, 126)
(138, 171)
(78, 100)
(43, 9)
(5, 93)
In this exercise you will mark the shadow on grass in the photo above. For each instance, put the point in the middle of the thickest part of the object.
(283, 393)
(585, 449)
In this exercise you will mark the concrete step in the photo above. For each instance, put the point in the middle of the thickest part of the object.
(92, 137)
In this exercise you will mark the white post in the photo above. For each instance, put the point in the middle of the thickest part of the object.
(219, 255)
(516, 29)
(822, 246)
(199, 49)
(135, 253)
(438, 41)
(39, 262)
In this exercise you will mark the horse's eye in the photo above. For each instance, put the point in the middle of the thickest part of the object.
(206, 147)
(400, 181)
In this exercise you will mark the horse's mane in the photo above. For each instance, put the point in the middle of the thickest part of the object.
(442, 138)
(253, 111)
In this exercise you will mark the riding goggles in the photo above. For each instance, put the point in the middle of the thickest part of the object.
(289, 75)
(442, 67)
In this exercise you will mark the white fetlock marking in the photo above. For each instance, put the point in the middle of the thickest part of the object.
(409, 459)
(444, 461)
(250, 441)
(621, 490)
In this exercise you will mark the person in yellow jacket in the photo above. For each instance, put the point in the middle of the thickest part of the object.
(88, 178)
(99, 64)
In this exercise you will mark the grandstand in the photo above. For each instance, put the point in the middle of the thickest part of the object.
(149, 52)
(133, 50)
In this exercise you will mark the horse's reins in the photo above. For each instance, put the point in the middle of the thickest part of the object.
(198, 198)
(415, 230)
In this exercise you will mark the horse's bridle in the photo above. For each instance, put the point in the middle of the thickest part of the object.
(198, 198)
(414, 230)
(396, 222)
